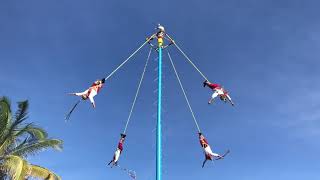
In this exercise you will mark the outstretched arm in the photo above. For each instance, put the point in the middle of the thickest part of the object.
(230, 100)
(80, 94)
(222, 157)
(219, 157)
(110, 162)
(92, 101)
(204, 162)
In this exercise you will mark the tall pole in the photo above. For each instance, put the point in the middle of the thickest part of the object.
(159, 135)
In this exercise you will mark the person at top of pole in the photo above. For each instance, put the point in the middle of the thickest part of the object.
(218, 91)
(209, 155)
(91, 92)
(160, 35)
(118, 152)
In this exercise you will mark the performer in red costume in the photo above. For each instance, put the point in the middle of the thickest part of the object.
(91, 92)
(118, 152)
(209, 155)
(218, 91)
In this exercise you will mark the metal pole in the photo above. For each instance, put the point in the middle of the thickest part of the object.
(159, 135)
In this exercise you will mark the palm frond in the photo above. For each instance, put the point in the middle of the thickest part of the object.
(9, 137)
(34, 132)
(18, 140)
(22, 112)
(43, 173)
(11, 130)
(34, 135)
(12, 166)
(7, 141)
(38, 146)
(25, 170)
(37, 132)
(5, 115)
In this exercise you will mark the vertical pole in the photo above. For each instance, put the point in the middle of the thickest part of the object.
(159, 135)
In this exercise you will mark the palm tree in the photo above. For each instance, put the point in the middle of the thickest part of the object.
(18, 140)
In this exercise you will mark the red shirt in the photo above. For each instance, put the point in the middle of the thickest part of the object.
(120, 146)
(214, 86)
(204, 143)
(96, 87)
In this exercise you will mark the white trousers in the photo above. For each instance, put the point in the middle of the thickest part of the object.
(92, 94)
(219, 92)
(208, 151)
(116, 156)
(216, 93)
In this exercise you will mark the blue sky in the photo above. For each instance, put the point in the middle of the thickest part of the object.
(264, 52)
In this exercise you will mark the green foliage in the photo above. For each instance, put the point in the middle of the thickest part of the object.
(43, 173)
(19, 140)
(5, 115)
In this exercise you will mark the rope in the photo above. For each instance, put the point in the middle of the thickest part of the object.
(184, 93)
(188, 59)
(129, 58)
(137, 93)
(71, 110)
(131, 173)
